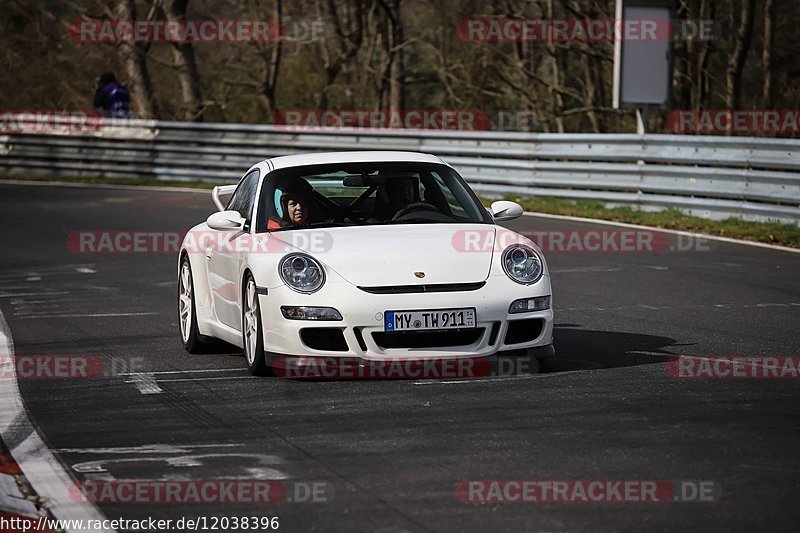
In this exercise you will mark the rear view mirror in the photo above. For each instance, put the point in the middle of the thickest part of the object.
(353, 181)
(364, 180)
(225, 220)
(505, 210)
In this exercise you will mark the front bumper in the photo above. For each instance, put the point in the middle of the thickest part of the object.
(361, 332)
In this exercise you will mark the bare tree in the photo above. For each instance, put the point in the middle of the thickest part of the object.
(271, 57)
(703, 52)
(135, 59)
(744, 34)
(347, 19)
(391, 86)
(768, 92)
(186, 67)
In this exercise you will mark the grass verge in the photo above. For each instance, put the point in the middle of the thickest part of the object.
(735, 228)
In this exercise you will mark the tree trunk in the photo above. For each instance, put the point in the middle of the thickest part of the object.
(186, 66)
(397, 67)
(396, 71)
(701, 83)
(590, 92)
(768, 94)
(273, 64)
(555, 72)
(348, 25)
(133, 56)
(392, 85)
(737, 59)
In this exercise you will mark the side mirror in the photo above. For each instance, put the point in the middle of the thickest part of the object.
(505, 210)
(225, 220)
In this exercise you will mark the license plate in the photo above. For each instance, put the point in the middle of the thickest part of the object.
(427, 320)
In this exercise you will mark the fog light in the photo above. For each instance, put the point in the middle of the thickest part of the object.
(310, 313)
(527, 305)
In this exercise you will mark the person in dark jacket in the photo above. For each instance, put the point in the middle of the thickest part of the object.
(111, 96)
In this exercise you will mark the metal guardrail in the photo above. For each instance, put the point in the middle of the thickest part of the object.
(714, 177)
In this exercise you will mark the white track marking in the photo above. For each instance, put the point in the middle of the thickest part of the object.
(87, 315)
(48, 301)
(494, 379)
(8, 288)
(14, 295)
(58, 270)
(147, 449)
(159, 372)
(673, 231)
(86, 270)
(258, 465)
(688, 306)
(205, 379)
(146, 384)
(585, 269)
(48, 477)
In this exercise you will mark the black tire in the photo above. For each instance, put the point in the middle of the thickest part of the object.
(253, 340)
(189, 331)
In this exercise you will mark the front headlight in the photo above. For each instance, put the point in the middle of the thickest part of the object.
(302, 273)
(522, 264)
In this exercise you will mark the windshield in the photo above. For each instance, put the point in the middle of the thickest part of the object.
(367, 194)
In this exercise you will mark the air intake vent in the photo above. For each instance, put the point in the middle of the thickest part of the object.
(441, 287)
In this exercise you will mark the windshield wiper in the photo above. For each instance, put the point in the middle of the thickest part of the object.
(407, 221)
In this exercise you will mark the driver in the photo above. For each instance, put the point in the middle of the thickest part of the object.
(296, 202)
(397, 194)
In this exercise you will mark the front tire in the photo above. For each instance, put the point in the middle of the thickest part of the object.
(252, 334)
(187, 313)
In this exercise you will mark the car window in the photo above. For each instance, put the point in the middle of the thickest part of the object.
(363, 194)
(245, 195)
(454, 206)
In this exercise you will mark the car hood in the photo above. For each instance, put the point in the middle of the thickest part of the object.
(372, 256)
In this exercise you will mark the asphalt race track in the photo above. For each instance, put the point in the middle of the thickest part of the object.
(391, 453)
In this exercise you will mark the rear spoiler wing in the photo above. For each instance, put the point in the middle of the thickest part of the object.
(222, 190)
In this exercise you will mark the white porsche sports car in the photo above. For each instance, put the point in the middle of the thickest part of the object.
(373, 256)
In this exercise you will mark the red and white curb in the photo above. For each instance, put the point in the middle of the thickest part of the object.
(29, 455)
